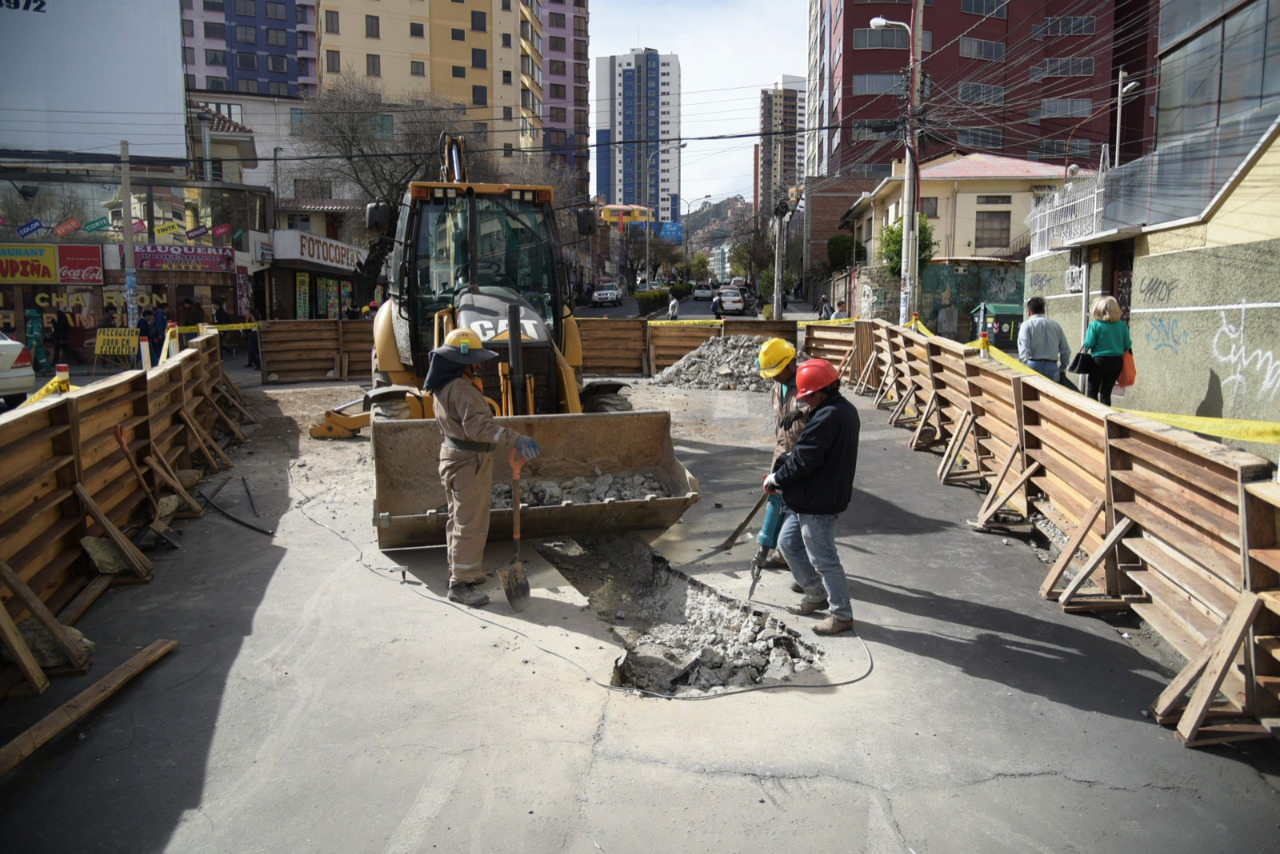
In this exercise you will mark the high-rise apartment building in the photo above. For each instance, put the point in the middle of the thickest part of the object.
(565, 73)
(638, 131)
(780, 153)
(485, 55)
(1031, 83)
(259, 47)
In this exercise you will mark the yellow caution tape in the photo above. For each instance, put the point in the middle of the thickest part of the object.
(844, 321)
(226, 327)
(706, 322)
(918, 325)
(984, 345)
(1226, 428)
(53, 386)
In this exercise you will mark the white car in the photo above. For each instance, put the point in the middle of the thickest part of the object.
(16, 375)
(702, 290)
(731, 301)
(606, 295)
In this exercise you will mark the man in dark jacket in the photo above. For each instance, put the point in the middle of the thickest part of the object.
(816, 479)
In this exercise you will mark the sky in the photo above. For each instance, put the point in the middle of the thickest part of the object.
(729, 50)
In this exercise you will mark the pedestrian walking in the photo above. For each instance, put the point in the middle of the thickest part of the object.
(1107, 340)
(61, 336)
(673, 308)
(841, 312)
(824, 308)
(1042, 345)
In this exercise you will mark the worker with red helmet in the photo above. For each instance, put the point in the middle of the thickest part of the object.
(466, 457)
(816, 479)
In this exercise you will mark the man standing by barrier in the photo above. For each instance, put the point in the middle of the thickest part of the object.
(777, 361)
(466, 457)
(1042, 345)
(816, 479)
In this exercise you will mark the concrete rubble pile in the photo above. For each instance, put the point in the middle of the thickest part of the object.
(580, 490)
(722, 364)
(709, 643)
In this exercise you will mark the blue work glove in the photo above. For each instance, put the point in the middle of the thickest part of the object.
(527, 447)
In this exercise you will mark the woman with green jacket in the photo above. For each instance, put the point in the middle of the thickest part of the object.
(1107, 340)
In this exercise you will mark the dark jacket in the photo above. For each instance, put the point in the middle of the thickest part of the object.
(816, 477)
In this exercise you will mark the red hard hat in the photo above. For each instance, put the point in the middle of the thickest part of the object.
(815, 375)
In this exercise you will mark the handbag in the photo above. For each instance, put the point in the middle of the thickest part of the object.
(1082, 363)
(1129, 371)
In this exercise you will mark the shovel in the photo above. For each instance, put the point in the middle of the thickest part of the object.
(157, 524)
(515, 584)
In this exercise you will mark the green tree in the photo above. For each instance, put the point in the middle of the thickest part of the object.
(700, 268)
(889, 250)
(840, 248)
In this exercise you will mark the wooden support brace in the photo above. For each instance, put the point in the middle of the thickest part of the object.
(75, 653)
(864, 379)
(985, 517)
(232, 387)
(1170, 699)
(1069, 550)
(886, 385)
(994, 495)
(1233, 634)
(1095, 560)
(204, 440)
(86, 701)
(142, 566)
(74, 610)
(231, 399)
(160, 467)
(844, 363)
(930, 408)
(217, 410)
(196, 436)
(21, 653)
(899, 413)
(952, 453)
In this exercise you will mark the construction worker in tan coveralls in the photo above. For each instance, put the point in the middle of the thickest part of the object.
(466, 457)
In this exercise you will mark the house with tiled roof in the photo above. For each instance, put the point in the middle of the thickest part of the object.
(976, 205)
(219, 146)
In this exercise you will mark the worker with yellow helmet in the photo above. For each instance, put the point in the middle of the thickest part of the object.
(777, 361)
(466, 457)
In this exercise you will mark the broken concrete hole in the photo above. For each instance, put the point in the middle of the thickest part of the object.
(681, 636)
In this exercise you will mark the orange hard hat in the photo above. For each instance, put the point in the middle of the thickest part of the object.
(815, 375)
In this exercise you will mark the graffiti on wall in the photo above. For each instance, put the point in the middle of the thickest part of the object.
(1038, 283)
(1166, 335)
(1001, 284)
(1255, 370)
(1156, 289)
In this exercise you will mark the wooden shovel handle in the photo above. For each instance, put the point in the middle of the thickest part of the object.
(517, 463)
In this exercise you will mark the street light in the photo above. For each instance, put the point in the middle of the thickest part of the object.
(688, 203)
(910, 255)
(648, 226)
(1122, 89)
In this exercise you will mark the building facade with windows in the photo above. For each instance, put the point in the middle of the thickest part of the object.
(566, 106)
(1040, 85)
(780, 156)
(257, 47)
(638, 131)
(483, 54)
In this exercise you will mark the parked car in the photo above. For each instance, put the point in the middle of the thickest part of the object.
(702, 290)
(16, 374)
(731, 301)
(607, 294)
(748, 297)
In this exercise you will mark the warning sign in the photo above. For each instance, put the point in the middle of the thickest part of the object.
(116, 342)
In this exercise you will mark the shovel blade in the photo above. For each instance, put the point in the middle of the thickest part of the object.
(515, 584)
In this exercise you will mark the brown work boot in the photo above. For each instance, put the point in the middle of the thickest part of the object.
(467, 594)
(806, 607)
(796, 588)
(833, 625)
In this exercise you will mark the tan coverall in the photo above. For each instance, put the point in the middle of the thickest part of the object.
(467, 475)
(784, 440)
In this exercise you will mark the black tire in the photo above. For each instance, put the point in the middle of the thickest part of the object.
(13, 401)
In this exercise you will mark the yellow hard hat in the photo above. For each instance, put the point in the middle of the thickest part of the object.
(464, 347)
(464, 340)
(775, 355)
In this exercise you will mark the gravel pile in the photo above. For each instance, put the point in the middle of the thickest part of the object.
(580, 490)
(723, 364)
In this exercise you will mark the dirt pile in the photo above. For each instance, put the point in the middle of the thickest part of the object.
(723, 364)
(580, 490)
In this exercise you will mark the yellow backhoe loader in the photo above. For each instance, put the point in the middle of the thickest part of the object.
(487, 257)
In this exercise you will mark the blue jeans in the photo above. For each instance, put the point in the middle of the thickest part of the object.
(808, 542)
(1048, 367)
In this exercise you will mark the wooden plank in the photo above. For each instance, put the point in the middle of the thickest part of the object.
(1185, 503)
(1211, 680)
(985, 517)
(21, 654)
(1095, 560)
(1173, 600)
(142, 567)
(1069, 551)
(1171, 697)
(1191, 544)
(75, 653)
(80, 705)
(1211, 479)
(74, 610)
(1216, 598)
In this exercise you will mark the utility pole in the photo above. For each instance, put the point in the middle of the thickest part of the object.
(126, 234)
(783, 214)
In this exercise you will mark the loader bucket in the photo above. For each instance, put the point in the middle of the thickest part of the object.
(409, 500)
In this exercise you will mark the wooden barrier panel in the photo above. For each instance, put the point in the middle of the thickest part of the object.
(835, 343)
(911, 358)
(784, 329)
(947, 409)
(165, 405)
(357, 349)
(104, 470)
(613, 347)
(1262, 573)
(1064, 434)
(40, 517)
(300, 350)
(995, 399)
(1181, 501)
(669, 344)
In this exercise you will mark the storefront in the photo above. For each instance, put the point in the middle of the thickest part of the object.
(312, 277)
(167, 275)
(46, 277)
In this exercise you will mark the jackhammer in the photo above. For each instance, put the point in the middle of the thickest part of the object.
(767, 538)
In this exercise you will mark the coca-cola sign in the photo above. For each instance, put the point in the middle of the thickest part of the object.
(80, 264)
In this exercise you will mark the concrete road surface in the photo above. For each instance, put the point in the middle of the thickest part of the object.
(321, 701)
